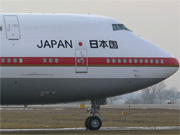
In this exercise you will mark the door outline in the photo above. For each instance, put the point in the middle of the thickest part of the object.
(14, 23)
(81, 61)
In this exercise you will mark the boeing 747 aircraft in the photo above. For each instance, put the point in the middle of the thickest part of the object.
(57, 58)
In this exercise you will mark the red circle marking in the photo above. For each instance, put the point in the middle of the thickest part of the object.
(80, 43)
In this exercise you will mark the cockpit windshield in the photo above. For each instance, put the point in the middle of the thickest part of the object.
(117, 27)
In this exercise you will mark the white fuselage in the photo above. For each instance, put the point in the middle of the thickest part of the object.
(64, 58)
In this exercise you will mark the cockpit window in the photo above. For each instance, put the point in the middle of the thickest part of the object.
(120, 27)
(117, 27)
(124, 27)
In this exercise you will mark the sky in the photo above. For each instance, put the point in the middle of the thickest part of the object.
(156, 20)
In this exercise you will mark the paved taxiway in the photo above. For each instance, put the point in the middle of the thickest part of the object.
(103, 129)
(64, 106)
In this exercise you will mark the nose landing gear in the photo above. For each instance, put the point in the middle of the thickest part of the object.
(94, 122)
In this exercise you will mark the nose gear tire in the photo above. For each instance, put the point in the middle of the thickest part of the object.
(93, 123)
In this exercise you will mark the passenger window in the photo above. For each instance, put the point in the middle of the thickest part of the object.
(50, 60)
(119, 60)
(9, 60)
(157, 61)
(141, 60)
(130, 60)
(113, 60)
(2, 60)
(56, 60)
(162, 61)
(125, 60)
(44, 60)
(146, 61)
(108, 60)
(152, 61)
(20, 60)
(135, 61)
(15, 60)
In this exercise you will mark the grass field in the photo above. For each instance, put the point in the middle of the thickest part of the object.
(73, 118)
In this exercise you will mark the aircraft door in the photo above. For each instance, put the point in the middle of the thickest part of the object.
(12, 27)
(81, 61)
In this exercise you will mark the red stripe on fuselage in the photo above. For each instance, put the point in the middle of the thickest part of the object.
(92, 61)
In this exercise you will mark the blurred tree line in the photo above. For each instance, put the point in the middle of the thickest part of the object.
(156, 94)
